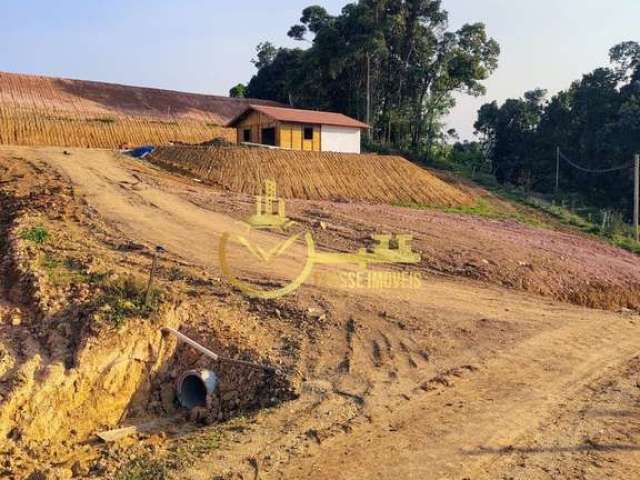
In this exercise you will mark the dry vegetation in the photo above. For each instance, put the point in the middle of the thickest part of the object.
(51, 111)
(38, 128)
(314, 175)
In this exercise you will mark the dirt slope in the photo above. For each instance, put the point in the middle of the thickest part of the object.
(557, 264)
(313, 175)
(36, 110)
(459, 379)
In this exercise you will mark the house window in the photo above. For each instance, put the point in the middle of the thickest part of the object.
(269, 136)
(308, 133)
(246, 135)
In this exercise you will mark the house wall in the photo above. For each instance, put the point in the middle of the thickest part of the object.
(292, 138)
(256, 121)
(340, 139)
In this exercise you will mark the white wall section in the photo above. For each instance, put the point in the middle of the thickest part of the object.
(340, 139)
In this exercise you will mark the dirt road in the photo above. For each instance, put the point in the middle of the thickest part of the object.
(457, 380)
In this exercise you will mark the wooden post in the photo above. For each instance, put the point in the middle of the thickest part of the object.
(159, 249)
(557, 169)
(636, 197)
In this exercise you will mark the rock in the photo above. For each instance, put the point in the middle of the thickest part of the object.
(155, 407)
(214, 404)
(316, 314)
(198, 414)
(167, 397)
(78, 470)
(16, 317)
(62, 474)
(37, 475)
(229, 395)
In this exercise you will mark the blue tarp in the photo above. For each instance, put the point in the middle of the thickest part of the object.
(141, 152)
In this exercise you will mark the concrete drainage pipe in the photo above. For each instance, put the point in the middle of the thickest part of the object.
(195, 386)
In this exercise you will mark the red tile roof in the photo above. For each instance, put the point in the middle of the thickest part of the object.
(302, 116)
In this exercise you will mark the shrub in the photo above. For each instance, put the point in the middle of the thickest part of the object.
(125, 298)
(37, 235)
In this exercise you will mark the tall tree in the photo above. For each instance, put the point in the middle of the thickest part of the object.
(393, 62)
(596, 122)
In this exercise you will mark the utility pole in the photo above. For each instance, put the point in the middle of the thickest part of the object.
(636, 197)
(369, 95)
(557, 169)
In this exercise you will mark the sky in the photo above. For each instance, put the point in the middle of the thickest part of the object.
(206, 46)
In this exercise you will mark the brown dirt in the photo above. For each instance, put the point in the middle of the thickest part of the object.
(65, 372)
(561, 264)
(313, 175)
(37, 110)
(460, 379)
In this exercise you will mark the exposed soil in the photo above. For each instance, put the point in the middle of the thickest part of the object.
(313, 175)
(462, 378)
(72, 97)
(557, 263)
(36, 110)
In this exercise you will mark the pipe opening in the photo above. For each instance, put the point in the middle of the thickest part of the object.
(195, 386)
(193, 392)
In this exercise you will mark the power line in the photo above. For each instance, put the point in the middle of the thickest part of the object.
(590, 170)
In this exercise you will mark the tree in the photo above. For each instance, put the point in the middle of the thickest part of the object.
(391, 62)
(509, 132)
(266, 53)
(595, 122)
(239, 91)
(626, 60)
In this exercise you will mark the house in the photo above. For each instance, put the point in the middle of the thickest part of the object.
(294, 129)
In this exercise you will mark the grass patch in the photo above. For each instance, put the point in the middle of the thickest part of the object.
(480, 208)
(38, 235)
(68, 271)
(587, 219)
(125, 298)
(187, 451)
(627, 243)
(143, 468)
(483, 208)
(181, 455)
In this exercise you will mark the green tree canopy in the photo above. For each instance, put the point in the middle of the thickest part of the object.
(395, 59)
(239, 91)
(596, 123)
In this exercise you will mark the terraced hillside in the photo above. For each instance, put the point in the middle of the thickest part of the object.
(48, 111)
(314, 175)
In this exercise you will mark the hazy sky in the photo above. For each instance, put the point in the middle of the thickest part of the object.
(205, 46)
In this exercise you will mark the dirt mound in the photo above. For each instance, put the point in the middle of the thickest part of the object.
(314, 175)
(79, 351)
(38, 110)
(563, 265)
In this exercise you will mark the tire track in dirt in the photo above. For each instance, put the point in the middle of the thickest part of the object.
(491, 409)
(594, 436)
